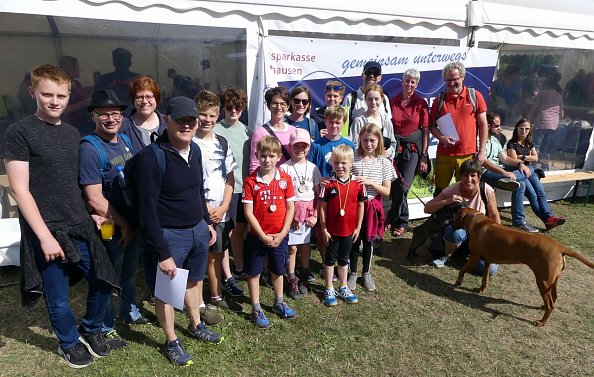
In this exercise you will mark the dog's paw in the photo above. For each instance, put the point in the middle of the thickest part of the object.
(540, 323)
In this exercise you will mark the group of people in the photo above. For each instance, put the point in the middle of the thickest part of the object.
(200, 187)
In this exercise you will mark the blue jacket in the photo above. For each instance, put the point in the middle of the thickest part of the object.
(134, 133)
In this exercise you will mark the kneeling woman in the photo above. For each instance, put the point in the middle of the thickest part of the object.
(467, 190)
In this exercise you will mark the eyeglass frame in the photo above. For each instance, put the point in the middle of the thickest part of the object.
(116, 115)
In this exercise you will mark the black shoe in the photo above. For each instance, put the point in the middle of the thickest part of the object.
(77, 356)
(138, 321)
(231, 287)
(114, 341)
(95, 344)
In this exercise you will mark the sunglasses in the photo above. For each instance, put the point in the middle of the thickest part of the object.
(297, 101)
(373, 73)
(336, 88)
(190, 121)
(231, 108)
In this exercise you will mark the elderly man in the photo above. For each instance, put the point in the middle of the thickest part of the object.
(467, 108)
(168, 186)
(101, 155)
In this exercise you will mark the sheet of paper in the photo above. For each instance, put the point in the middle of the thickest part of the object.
(446, 126)
(172, 291)
(299, 236)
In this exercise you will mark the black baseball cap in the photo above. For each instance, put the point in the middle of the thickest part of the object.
(181, 107)
(372, 65)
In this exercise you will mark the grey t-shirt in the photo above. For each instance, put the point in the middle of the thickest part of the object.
(52, 152)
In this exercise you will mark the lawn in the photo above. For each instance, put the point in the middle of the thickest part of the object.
(415, 324)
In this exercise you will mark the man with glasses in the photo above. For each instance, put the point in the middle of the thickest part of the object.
(355, 101)
(467, 108)
(101, 155)
(174, 218)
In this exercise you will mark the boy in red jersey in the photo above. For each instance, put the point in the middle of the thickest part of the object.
(268, 197)
(341, 216)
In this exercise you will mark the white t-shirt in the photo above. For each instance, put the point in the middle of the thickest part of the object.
(212, 167)
(306, 175)
(379, 169)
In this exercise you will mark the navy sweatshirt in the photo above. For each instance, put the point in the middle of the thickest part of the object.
(175, 200)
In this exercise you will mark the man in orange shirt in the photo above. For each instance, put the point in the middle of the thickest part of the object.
(468, 109)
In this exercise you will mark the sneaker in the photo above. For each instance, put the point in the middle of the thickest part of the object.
(95, 344)
(330, 297)
(310, 277)
(259, 318)
(440, 262)
(266, 279)
(294, 292)
(138, 321)
(219, 303)
(302, 285)
(231, 287)
(114, 341)
(527, 228)
(77, 356)
(348, 296)
(177, 354)
(240, 275)
(554, 221)
(210, 316)
(508, 184)
(368, 282)
(201, 332)
(352, 281)
(283, 311)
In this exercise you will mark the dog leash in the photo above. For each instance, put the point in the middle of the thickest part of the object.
(407, 185)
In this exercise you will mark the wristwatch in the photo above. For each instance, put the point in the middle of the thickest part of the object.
(523, 157)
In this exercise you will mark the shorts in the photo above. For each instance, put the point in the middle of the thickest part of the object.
(256, 251)
(236, 210)
(189, 248)
(223, 241)
(339, 249)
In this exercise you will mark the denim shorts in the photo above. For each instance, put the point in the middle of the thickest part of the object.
(189, 248)
(256, 251)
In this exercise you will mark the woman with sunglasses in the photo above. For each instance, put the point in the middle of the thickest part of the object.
(521, 148)
(299, 108)
(410, 121)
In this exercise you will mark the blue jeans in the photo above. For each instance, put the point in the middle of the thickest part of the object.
(55, 292)
(517, 197)
(537, 197)
(125, 262)
(454, 236)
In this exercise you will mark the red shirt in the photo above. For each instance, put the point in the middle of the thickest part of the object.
(464, 118)
(262, 195)
(335, 194)
(414, 116)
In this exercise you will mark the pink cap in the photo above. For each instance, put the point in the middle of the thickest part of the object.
(300, 136)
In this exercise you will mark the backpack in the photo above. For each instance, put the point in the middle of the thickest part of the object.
(353, 101)
(471, 94)
(104, 164)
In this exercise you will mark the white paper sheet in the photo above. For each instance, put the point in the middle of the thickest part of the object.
(446, 126)
(172, 291)
(299, 236)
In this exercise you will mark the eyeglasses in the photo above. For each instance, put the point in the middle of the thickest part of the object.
(453, 79)
(116, 115)
(231, 108)
(524, 129)
(496, 125)
(147, 98)
(190, 121)
(297, 101)
(336, 88)
(372, 72)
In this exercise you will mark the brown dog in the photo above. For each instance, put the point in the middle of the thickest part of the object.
(498, 243)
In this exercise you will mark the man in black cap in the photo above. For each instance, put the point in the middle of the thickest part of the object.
(102, 155)
(174, 218)
(355, 101)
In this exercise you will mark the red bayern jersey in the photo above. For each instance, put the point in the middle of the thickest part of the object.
(334, 193)
(269, 199)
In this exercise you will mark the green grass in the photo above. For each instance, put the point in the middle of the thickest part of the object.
(416, 324)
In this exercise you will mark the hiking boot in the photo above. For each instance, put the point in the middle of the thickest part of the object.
(266, 279)
(508, 184)
(440, 262)
(283, 311)
(114, 341)
(201, 332)
(302, 284)
(77, 356)
(95, 344)
(177, 354)
(231, 287)
(348, 296)
(259, 318)
(210, 316)
(352, 281)
(527, 228)
(330, 297)
(240, 275)
(294, 292)
(368, 282)
(554, 221)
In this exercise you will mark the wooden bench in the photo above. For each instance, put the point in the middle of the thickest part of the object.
(582, 179)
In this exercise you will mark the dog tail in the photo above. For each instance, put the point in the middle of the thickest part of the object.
(578, 256)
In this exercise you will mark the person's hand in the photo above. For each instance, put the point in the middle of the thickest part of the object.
(481, 157)
(324, 181)
(168, 267)
(356, 234)
(98, 220)
(525, 169)
(456, 199)
(510, 175)
(327, 237)
(364, 181)
(423, 166)
(295, 225)
(267, 240)
(323, 132)
(213, 235)
(447, 141)
(52, 249)
(215, 214)
(311, 221)
(277, 238)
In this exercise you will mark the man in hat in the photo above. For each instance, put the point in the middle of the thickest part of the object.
(174, 218)
(355, 101)
(102, 153)
(58, 235)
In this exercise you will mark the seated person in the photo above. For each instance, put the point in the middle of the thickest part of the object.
(467, 190)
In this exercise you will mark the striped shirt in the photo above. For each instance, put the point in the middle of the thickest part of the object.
(379, 169)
